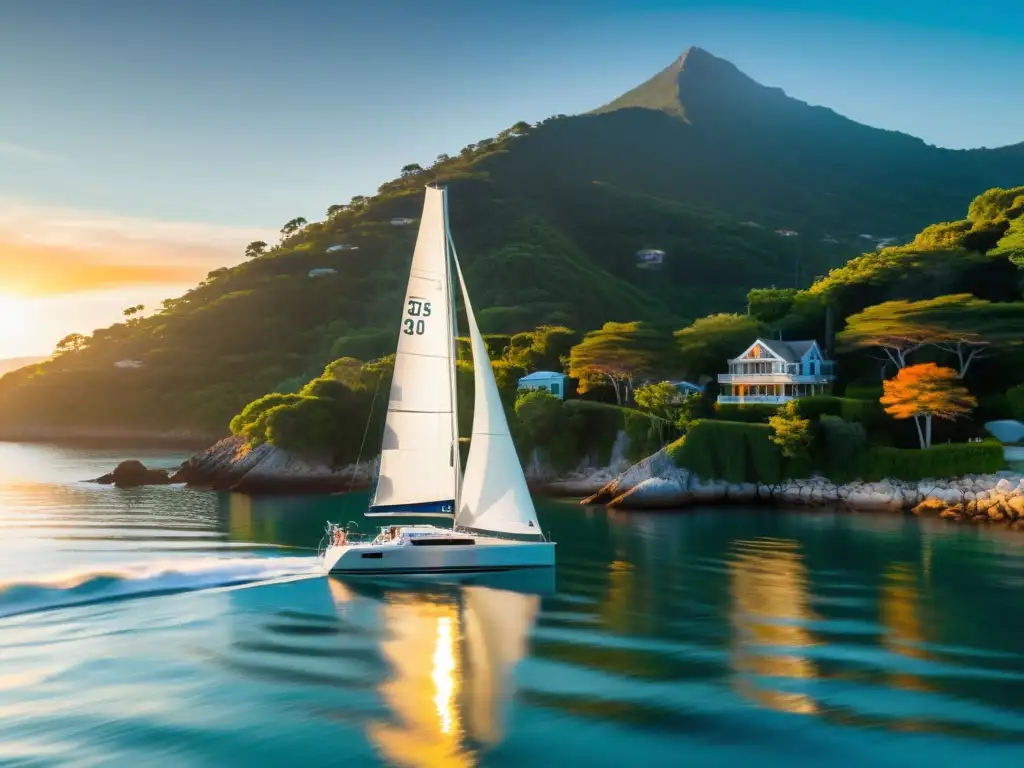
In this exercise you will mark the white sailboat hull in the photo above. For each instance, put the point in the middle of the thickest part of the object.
(485, 554)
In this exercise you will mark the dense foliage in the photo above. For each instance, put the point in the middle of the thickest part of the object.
(548, 219)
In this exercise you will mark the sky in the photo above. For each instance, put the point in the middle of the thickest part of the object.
(143, 144)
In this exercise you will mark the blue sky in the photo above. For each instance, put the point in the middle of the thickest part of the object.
(240, 114)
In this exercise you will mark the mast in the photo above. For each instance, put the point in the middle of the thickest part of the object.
(453, 333)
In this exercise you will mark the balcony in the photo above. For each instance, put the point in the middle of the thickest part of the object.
(754, 399)
(773, 378)
(743, 367)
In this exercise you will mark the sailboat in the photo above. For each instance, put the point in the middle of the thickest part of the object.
(493, 523)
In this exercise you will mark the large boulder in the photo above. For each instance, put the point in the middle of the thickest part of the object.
(132, 474)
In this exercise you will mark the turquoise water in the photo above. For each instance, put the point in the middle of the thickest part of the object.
(165, 626)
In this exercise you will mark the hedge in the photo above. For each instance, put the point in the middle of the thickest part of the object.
(945, 460)
(867, 412)
(748, 412)
(738, 452)
(734, 451)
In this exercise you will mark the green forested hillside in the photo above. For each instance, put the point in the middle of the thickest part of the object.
(547, 220)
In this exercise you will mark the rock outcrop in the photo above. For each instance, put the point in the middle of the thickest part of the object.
(233, 465)
(132, 474)
(656, 483)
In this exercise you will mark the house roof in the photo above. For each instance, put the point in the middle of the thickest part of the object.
(540, 375)
(790, 351)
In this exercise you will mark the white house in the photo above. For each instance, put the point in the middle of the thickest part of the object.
(322, 271)
(342, 247)
(398, 222)
(771, 371)
(550, 380)
(129, 364)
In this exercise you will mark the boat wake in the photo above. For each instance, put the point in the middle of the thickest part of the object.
(123, 582)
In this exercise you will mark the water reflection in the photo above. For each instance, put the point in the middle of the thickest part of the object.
(904, 633)
(451, 653)
(770, 609)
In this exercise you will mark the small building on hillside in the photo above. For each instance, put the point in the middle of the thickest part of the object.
(687, 388)
(773, 372)
(342, 247)
(129, 364)
(400, 222)
(650, 258)
(552, 381)
(787, 232)
(322, 271)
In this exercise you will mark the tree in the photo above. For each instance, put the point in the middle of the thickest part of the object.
(358, 201)
(790, 432)
(706, 345)
(618, 353)
(293, 226)
(442, 159)
(923, 391)
(963, 325)
(411, 170)
(255, 249)
(662, 399)
(73, 342)
(334, 210)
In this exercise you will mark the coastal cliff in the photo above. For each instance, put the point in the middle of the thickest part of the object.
(657, 483)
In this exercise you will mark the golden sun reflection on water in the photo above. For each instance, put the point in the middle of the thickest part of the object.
(444, 667)
(451, 656)
(770, 601)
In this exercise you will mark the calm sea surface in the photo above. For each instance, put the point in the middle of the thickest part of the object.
(165, 626)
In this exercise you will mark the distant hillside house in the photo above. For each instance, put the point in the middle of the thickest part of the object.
(773, 372)
(787, 232)
(550, 380)
(401, 222)
(650, 258)
(129, 364)
(322, 271)
(342, 247)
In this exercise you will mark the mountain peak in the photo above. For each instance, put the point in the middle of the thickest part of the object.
(694, 81)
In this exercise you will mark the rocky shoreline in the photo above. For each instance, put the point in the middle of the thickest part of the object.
(656, 483)
(232, 464)
(653, 483)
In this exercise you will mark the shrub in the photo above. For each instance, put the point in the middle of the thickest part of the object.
(1015, 396)
(752, 413)
(862, 391)
(790, 433)
(843, 445)
(729, 450)
(866, 412)
(945, 460)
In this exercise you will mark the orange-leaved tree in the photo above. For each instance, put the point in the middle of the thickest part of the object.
(923, 391)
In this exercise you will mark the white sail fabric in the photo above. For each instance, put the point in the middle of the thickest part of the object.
(418, 462)
(494, 494)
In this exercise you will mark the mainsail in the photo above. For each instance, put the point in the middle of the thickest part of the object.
(419, 453)
(494, 495)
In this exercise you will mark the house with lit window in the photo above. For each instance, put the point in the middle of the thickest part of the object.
(772, 372)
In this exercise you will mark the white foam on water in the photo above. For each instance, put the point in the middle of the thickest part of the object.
(121, 582)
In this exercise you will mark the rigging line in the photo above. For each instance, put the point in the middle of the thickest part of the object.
(366, 430)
